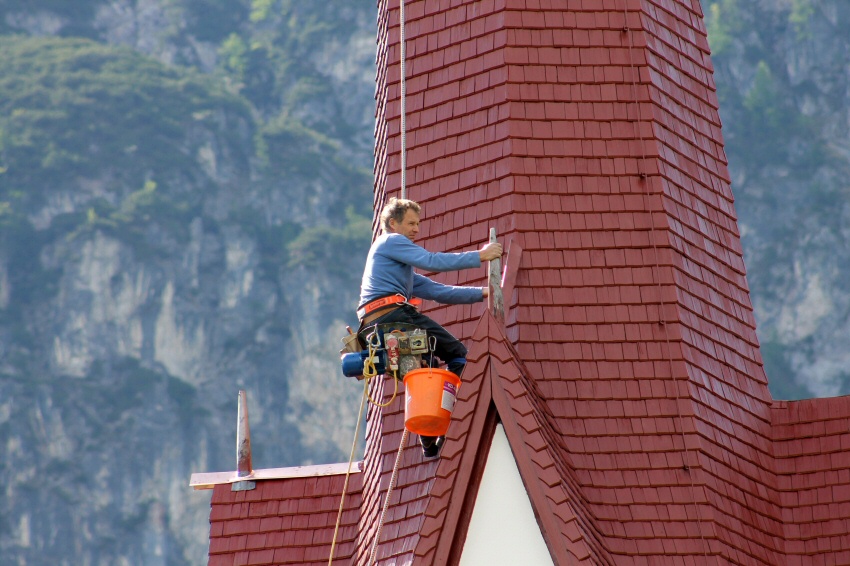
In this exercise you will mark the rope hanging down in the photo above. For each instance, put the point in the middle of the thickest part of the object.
(348, 470)
(369, 371)
(393, 479)
(366, 395)
(403, 105)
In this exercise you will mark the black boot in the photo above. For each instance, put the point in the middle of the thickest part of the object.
(431, 445)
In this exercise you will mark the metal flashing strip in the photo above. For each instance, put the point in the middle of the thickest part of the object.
(208, 480)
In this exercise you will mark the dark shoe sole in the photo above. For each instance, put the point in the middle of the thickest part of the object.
(431, 446)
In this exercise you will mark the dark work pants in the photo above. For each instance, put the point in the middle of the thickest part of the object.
(448, 348)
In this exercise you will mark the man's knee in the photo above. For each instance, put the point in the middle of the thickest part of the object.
(456, 366)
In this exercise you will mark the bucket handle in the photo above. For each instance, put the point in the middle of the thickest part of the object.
(432, 344)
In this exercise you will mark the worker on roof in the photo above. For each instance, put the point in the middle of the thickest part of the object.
(389, 283)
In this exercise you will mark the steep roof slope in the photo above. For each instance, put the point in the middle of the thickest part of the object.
(456, 133)
(726, 380)
(497, 387)
(627, 373)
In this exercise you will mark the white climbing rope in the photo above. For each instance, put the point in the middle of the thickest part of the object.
(403, 105)
(369, 366)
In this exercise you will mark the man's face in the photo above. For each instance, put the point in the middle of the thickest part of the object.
(408, 227)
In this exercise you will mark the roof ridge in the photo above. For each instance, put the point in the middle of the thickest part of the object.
(570, 484)
(481, 398)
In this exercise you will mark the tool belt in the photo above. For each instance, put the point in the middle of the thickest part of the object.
(374, 310)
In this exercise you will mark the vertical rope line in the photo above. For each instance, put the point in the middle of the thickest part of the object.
(403, 104)
(642, 174)
(348, 470)
(403, 128)
(393, 478)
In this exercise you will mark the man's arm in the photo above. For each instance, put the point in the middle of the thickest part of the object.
(402, 250)
(425, 288)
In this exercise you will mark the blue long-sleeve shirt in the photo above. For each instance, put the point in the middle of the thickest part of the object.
(389, 271)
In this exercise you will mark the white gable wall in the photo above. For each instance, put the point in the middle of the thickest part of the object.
(503, 530)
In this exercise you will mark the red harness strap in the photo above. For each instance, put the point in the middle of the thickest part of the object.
(383, 302)
(379, 303)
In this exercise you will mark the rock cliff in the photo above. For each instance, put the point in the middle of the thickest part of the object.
(172, 232)
(784, 86)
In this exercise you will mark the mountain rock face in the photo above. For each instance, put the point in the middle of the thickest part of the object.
(185, 208)
(784, 86)
(184, 213)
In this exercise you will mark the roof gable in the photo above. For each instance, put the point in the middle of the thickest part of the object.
(495, 389)
(503, 528)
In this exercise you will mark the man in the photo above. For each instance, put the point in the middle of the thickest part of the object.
(389, 282)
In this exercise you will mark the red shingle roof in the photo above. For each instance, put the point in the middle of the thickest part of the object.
(497, 384)
(811, 441)
(284, 521)
(628, 375)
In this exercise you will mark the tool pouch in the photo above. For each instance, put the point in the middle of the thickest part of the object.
(350, 344)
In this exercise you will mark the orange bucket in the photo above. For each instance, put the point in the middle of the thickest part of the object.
(430, 395)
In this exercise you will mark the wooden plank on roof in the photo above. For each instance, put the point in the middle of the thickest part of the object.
(208, 480)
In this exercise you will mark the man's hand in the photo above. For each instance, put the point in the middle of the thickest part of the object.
(485, 292)
(490, 251)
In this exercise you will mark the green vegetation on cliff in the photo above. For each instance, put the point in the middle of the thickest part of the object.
(73, 109)
(174, 202)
